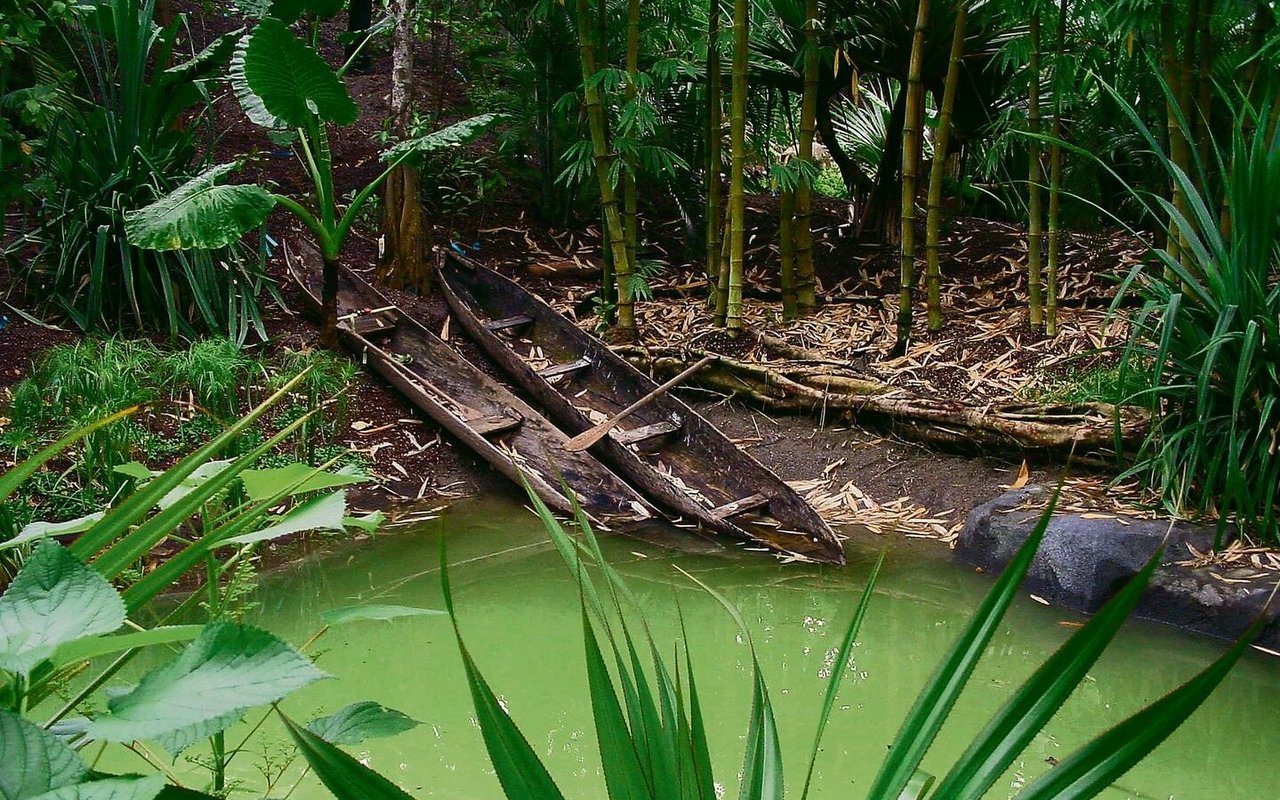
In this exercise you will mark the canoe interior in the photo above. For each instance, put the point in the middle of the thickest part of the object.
(666, 449)
(504, 430)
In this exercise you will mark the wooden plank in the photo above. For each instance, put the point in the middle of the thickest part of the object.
(646, 432)
(372, 325)
(489, 426)
(739, 506)
(508, 323)
(564, 369)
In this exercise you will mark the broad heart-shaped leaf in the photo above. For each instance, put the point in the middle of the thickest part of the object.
(263, 483)
(458, 133)
(200, 214)
(229, 668)
(109, 789)
(359, 721)
(251, 104)
(54, 600)
(293, 81)
(324, 513)
(34, 761)
(341, 774)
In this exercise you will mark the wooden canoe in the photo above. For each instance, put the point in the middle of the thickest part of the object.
(477, 409)
(677, 459)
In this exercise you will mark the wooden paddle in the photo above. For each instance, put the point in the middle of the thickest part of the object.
(589, 437)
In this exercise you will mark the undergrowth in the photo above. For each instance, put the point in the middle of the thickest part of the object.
(192, 395)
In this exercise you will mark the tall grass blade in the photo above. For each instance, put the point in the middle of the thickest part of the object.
(15, 476)
(1040, 697)
(623, 776)
(933, 705)
(1094, 767)
(341, 773)
(838, 669)
(519, 770)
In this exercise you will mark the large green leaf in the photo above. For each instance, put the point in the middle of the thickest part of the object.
(34, 761)
(250, 102)
(228, 669)
(359, 721)
(260, 483)
(109, 789)
(293, 81)
(54, 600)
(341, 774)
(324, 513)
(200, 213)
(459, 133)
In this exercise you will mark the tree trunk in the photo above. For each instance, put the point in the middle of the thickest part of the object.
(604, 167)
(1035, 178)
(912, 130)
(405, 235)
(880, 214)
(938, 171)
(738, 158)
(359, 18)
(786, 244)
(806, 300)
(1055, 175)
(1176, 115)
(631, 224)
(329, 302)
(1204, 88)
(715, 124)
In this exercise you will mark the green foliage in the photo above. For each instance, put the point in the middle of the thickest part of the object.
(1099, 384)
(60, 611)
(650, 733)
(830, 183)
(129, 134)
(1207, 340)
(200, 214)
(294, 83)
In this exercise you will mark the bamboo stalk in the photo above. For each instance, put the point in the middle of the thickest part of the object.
(1175, 113)
(802, 232)
(1055, 176)
(1035, 179)
(912, 129)
(631, 224)
(604, 166)
(937, 172)
(715, 135)
(786, 244)
(738, 157)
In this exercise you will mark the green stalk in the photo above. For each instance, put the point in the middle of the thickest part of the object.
(738, 158)
(912, 130)
(1035, 178)
(604, 168)
(715, 122)
(787, 269)
(802, 231)
(937, 171)
(1055, 176)
(630, 220)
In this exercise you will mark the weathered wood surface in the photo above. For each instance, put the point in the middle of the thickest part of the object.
(479, 411)
(693, 472)
(826, 388)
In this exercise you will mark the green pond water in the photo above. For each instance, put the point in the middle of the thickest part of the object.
(520, 615)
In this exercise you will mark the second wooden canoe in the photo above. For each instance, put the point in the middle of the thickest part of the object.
(677, 459)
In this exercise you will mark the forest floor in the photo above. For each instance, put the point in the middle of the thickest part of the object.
(986, 353)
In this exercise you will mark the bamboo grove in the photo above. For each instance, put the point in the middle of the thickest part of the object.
(919, 109)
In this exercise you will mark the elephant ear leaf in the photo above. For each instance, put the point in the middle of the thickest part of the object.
(200, 213)
(293, 82)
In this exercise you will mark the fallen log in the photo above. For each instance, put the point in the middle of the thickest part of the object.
(830, 388)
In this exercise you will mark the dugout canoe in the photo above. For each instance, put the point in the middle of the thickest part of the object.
(477, 409)
(672, 455)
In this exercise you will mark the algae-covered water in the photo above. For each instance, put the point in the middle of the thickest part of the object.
(521, 617)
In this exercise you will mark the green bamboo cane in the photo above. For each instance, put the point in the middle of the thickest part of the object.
(738, 153)
(937, 171)
(802, 230)
(1035, 179)
(912, 126)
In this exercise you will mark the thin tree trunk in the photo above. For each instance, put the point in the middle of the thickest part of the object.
(329, 302)
(715, 124)
(405, 235)
(738, 157)
(1055, 175)
(786, 244)
(1035, 178)
(912, 129)
(631, 223)
(938, 171)
(604, 166)
(806, 299)
(1179, 147)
